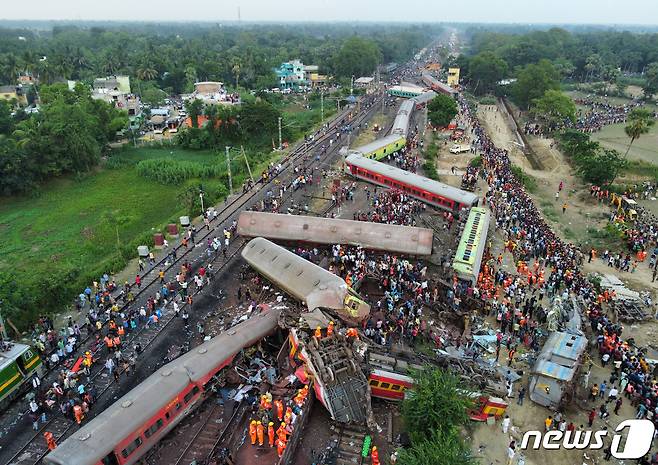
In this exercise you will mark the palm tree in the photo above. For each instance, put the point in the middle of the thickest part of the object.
(147, 73)
(236, 73)
(10, 68)
(640, 121)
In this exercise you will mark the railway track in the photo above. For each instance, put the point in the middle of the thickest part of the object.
(33, 451)
(213, 429)
(350, 445)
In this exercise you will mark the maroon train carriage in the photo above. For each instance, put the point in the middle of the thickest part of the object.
(126, 430)
(424, 189)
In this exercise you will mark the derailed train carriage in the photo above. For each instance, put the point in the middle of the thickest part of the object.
(427, 190)
(303, 280)
(126, 430)
(406, 240)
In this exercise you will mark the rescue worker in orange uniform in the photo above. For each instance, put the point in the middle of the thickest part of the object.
(318, 333)
(330, 329)
(351, 332)
(280, 447)
(50, 440)
(288, 416)
(77, 412)
(260, 432)
(270, 433)
(281, 432)
(252, 432)
(279, 409)
(374, 455)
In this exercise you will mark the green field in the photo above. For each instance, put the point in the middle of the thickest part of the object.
(66, 235)
(645, 148)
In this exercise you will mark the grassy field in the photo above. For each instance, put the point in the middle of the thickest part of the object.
(645, 148)
(56, 242)
(68, 234)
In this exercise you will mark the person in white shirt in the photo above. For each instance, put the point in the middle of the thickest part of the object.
(506, 422)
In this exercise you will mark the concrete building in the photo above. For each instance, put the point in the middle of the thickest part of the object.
(295, 74)
(212, 93)
(14, 94)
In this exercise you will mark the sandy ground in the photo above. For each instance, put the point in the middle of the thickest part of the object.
(489, 442)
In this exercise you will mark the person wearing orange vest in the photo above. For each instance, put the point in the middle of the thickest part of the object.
(50, 440)
(279, 409)
(351, 332)
(109, 343)
(121, 331)
(318, 333)
(330, 329)
(252, 432)
(374, 455)
(270, 433)
(288, 416)
(77, 412)
(260, 433)
(280, 447)
(281, 432)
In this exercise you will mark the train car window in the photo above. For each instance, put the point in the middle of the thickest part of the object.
(167, 415)
(374, 382)
(385, 385)
(131, 448)
(111, 459)
(396, 387)
(154, 427)
(178, 405)
(191, 394)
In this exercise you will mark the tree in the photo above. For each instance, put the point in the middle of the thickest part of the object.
(193, 108)
(554, 108)
(438, 403)
(441, 110)
(533, 81)
(486, 69)
(357, 57)
(440, 448)
(147, 73)
(600, 166)
(651, 80)
(640, 121)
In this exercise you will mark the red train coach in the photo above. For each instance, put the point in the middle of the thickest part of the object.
(126, 430)
(424, 189)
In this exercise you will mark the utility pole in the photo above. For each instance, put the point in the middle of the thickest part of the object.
(244, 154)
(352, 85)
(228, 170)
(203, 210)
(322, 105)
(280, 142)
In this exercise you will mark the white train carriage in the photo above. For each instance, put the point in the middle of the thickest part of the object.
(392, 238)
(303, 280)
(427, 190)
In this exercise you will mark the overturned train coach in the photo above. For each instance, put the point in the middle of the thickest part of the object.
(127, 429)
(424, 189)
(406, 240)
(303, 280)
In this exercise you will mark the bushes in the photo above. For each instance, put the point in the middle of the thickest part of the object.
(170, 172)
(433, 414)
(528, 181)
(429, 166)
(476, 162)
